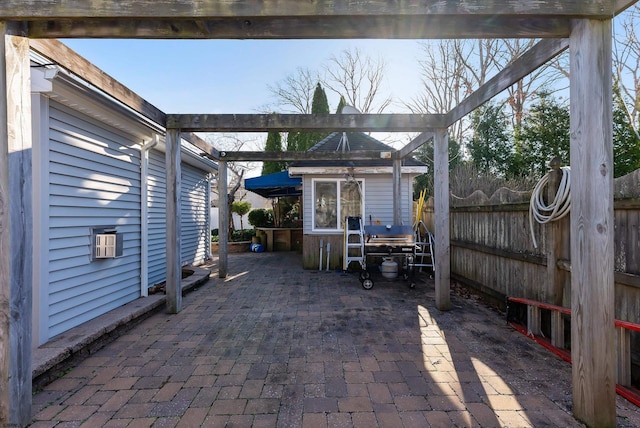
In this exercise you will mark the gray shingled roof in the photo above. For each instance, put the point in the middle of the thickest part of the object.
(357, 141)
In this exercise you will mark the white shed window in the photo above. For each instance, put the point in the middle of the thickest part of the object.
(334, 200)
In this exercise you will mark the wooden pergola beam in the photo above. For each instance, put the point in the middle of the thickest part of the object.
(294, 19)
(322, 156)
(278, 122)
(414, 144)
(140, 9)
(317, 27)
(212, 152)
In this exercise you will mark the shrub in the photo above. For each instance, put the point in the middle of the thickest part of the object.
(236, 236)
(261, 217)
(240, 208)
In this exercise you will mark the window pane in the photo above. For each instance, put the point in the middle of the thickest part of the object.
(326, 205)
(350, 199)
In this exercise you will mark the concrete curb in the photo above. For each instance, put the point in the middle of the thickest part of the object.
(67, 349)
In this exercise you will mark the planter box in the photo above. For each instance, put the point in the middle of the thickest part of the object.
(233, 247)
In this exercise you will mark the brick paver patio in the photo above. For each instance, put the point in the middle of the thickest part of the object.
(276, 346)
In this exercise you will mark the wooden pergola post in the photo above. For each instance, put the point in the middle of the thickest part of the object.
(397, 191)
(174, 268)
(223, 216)
(592, 227)
(442, 258)
(16, 226)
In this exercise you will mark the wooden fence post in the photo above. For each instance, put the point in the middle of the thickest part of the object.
(555, 276)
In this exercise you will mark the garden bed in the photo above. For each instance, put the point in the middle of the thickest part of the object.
(233, 247)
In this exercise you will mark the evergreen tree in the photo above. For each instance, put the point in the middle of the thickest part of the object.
(319, 105)
(292, 141)
(626, 144)
(273, 144)
(341, 104)
(489, 147)
(425, 154)
(303, 141)
(544, 135)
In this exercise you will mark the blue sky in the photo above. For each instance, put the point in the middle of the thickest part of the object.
(232, 76)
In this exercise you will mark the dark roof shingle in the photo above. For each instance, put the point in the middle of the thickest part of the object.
(356, 141)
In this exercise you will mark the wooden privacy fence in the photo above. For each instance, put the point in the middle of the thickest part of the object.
(492, 250)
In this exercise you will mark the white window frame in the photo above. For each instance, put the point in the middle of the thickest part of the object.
(337, 182)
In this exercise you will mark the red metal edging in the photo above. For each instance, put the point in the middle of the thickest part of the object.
(562, 353)
(540, 305)
(631, 394)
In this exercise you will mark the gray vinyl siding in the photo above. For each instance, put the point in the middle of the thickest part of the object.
(194, 213)
(94, 180)
(378, 201)
(194, 216)
(157, 222)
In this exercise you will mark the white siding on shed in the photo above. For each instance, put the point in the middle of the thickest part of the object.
(378, 200)
(94, 180)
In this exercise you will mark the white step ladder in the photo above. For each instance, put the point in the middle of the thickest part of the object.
(424, 247)
(353, 242)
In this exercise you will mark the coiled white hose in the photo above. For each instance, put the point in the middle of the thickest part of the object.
(557, 208)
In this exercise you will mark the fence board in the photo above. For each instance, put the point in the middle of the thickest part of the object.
(491, 245)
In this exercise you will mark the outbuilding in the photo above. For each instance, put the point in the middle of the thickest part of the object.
(334, 190)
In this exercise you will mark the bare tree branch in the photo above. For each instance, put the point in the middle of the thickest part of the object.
(448, 76)
(627, 64)
(294, 94)
(453, 69)
(358, 78)
(544, 77)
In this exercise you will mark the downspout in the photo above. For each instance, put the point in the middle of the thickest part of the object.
(144, 214)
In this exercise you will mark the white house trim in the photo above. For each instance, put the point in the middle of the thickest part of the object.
(338, 181)
(302, 170)
(77, 94)
(40, 303)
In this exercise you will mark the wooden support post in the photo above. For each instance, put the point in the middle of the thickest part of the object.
(397, 191)
(223, 216)
(623, 360)
(555, 277)
(533, 320)
(174, 267)
(592, 226)
(16, 226)
(442, 266)
(557, 329)
(5, 237)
